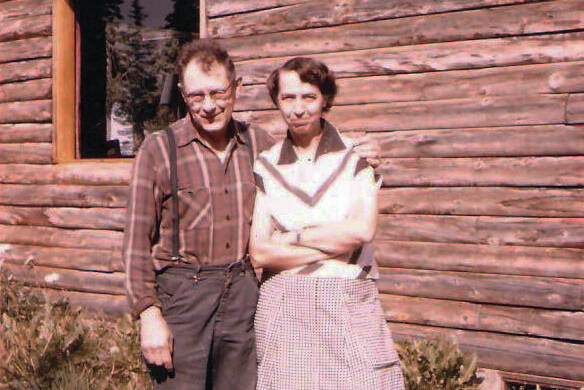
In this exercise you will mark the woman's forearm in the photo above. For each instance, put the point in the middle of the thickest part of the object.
(279, 255)
(337, 238)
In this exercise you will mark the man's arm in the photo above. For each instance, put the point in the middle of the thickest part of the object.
(142, 213)
(142, 218)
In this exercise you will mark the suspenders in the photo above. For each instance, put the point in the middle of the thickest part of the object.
(249, 137)
(174, 194)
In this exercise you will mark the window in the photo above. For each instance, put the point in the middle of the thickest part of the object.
(108, 93)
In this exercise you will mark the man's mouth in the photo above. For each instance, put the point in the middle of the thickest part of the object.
(211, 118)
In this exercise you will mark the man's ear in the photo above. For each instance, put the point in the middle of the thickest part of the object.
(180, 89)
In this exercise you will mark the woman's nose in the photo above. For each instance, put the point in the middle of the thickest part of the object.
(299, 108)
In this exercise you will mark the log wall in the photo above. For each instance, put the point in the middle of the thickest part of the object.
(60, 224)
(478, 106)
(479, 110)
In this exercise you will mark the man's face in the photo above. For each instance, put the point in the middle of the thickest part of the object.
(300, 103)
(209, 95)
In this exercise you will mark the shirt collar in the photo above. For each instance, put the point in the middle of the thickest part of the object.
(330, 141)
(185, 132)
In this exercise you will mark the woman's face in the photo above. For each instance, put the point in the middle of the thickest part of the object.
(300, 104)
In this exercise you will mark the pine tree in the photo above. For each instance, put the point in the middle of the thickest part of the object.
(137, 13)
(184, 16)
(112, 10)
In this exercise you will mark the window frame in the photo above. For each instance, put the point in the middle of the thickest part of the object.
(65, 82)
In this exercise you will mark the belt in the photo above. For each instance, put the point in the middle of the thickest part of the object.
(241, 264)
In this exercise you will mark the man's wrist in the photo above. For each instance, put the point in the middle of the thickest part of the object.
(150, 312)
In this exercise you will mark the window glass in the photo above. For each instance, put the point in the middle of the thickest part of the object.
(126, 59)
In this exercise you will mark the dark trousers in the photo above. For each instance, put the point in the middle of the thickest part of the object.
(210, 314)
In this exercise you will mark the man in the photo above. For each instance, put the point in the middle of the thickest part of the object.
(196, 310)
(193, 288)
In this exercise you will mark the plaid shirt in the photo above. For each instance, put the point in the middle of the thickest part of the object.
(215, 205)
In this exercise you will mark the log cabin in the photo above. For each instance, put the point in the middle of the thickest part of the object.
(478, 106)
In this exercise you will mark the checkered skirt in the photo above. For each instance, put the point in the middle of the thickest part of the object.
(323, 333)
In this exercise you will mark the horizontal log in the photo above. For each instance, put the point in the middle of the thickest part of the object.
(37, 153)
(70, 258)
(495, 201)
(522, 354)
(542, 140)
(23, 8)
(575, 109)
(218, 8)
(26, 49)
(560, 77)
(474, 54)
(543, 232)
(64, 217)
(558, 16)
(453, 113)
(557, 324)
(95, 282)
(32, 111)
(320, 13)
(26, 132)
(484, 171)
(25, 70)
(27, 27)
(27, 90)
(63, 195)
(63, 238)
(541, 380)
(529, 291)
(99, 303)
(506, 260)
(81, 173)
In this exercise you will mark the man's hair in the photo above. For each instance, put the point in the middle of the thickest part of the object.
(207, 52)
(310, 71)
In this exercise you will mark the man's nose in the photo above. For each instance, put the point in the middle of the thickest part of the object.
(208, 104)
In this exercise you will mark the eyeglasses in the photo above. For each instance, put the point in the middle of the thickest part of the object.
(217, 96)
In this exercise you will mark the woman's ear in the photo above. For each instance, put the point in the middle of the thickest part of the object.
(237, 84)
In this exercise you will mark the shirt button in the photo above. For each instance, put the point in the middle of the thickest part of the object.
(228, 217)
(227, 245)
(226, 191)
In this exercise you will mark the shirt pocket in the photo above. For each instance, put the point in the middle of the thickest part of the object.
(194, 208)
(369, 343)
(195, 222)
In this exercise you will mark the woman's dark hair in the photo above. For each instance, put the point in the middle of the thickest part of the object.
(310, 71)
(207, 52)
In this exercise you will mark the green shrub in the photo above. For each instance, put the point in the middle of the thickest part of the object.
(50, 345)
(437, 364)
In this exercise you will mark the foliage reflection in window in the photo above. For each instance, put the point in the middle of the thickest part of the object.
(127, 49)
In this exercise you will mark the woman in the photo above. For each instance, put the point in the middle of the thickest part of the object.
(319, 324)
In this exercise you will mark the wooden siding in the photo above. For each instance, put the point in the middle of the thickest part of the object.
(478, 106)
(479, 110)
